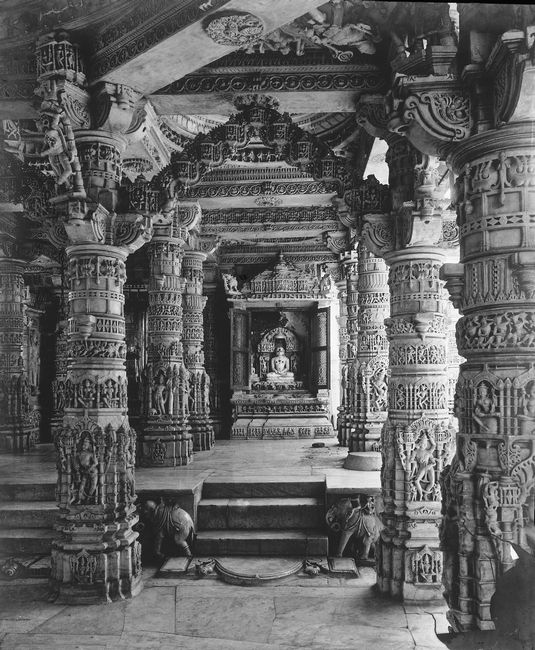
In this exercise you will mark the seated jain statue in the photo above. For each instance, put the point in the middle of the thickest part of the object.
(280, 367)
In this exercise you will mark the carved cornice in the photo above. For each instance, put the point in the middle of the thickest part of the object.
(263, 218)
(294, 80)
(257, 189)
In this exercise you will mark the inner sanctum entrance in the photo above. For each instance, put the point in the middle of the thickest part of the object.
(281, 370)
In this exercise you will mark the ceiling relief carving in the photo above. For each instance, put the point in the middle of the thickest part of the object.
(237, 28)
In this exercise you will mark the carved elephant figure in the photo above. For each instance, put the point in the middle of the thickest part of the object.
(351, 519)
(168, 522)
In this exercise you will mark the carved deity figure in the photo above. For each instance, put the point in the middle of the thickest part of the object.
(159, 395)
(59, 150)
(231, 283)
(379, 390)
(485, 409)
(422, 466)
(86, 394)
(85, 473)
(280, 364)
(528, 400)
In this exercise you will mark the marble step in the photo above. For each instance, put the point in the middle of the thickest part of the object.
(260, 513)
(28, 514)
(26, 541)
(260, 542)
(246, 487)
(22, 491)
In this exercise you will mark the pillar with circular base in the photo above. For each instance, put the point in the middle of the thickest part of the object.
(193, 342)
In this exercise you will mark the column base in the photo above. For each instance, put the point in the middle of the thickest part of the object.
(202, 432)
(84, 577)
(366, 436)
(166, 443)
(344, 428)
(17, 438)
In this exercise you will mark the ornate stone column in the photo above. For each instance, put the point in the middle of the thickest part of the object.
(341, 421)
(166, 439)
(489, 489)
(212, 350)
(61, 356)
(193, 341)
(416, 440)
(372, 352)
(19, 428)
(349, 377)
(97, 557)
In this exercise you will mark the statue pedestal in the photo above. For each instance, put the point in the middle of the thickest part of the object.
(270, 415)
(275, 378)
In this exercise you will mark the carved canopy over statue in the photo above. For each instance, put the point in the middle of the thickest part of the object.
(284, 280)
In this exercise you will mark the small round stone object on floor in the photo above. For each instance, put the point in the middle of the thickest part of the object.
(363, 461)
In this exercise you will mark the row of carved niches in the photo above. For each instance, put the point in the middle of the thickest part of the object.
(416, 286)
(491, 403)
(271, 330)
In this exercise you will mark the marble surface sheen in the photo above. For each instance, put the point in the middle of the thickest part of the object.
(321, 613)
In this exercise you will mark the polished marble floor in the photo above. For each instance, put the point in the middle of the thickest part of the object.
(228, 459)
(320, 613)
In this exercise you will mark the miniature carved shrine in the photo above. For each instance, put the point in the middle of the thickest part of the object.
(278, 390)
(301, 221)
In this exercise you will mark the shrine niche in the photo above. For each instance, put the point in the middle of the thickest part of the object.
(280, 354)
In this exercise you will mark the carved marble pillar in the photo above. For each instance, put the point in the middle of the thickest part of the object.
(166, 439)
(349, 370)
(341, 421)
(19, 423)
(193, 303)
(417, 440)
(489, 490)
(97, 557)
(372, 352)
(61, 355)
(214, 320)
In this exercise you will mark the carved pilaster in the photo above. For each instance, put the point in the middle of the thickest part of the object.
(19, 428)
(166, 439)
(343, 339)
(372, 352)
(348, 371)
(193, 341)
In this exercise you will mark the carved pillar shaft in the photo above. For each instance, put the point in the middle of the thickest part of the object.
(97, 557)
(372, 351)
(341, 422)
(349, 380)
(166, 439)
(193, 341)
(61, 356)
(416, 440)
(489, 490)
(214, 320)
(19, 424)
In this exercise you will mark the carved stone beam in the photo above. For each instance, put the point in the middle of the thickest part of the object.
(511, 65)
(432, 113)
(181, 39)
